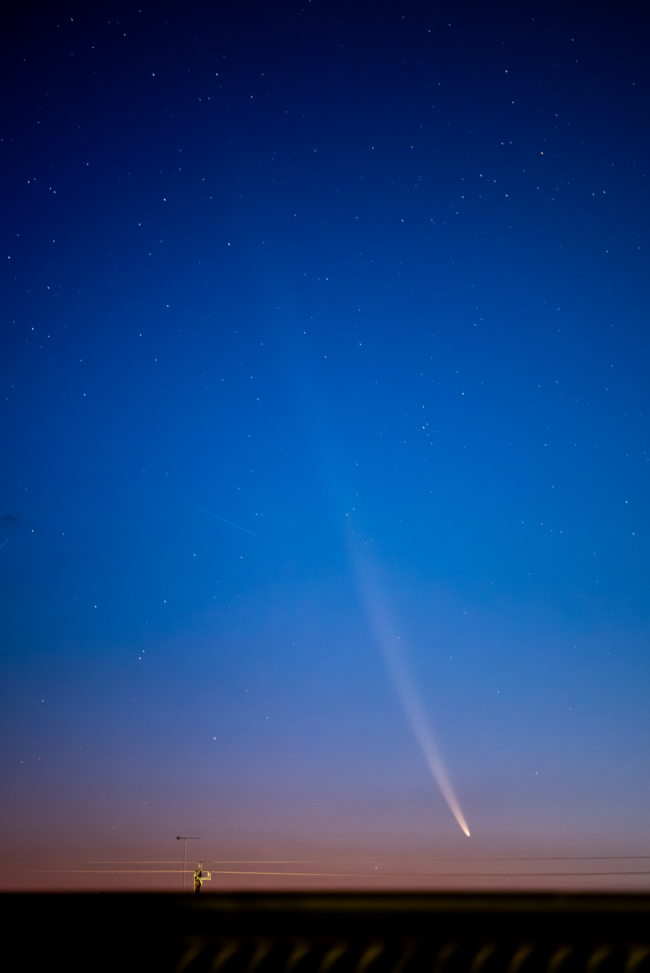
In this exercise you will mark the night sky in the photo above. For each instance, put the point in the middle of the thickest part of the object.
(324, 410)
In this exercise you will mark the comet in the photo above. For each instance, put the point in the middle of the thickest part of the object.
(420, 726)
(391, 649)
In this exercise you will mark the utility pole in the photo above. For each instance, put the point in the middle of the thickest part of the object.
(200, 877)
(185, 839)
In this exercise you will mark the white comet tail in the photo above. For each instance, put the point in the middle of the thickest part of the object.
(396, 664)
(421, 729)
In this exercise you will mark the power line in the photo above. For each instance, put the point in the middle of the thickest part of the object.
(378, 875)
(355, 861)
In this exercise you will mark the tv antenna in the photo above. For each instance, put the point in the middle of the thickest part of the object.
(185, 839)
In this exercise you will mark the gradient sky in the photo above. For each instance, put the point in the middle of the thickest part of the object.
(324, 328)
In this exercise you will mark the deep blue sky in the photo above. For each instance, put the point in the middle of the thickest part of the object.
(369, 281)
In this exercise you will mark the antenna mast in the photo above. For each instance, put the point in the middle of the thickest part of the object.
(185, 839)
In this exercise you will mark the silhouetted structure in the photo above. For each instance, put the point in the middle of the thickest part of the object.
(329, 933)
(200, 877)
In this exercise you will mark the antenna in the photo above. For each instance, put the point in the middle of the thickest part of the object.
(185, 839)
